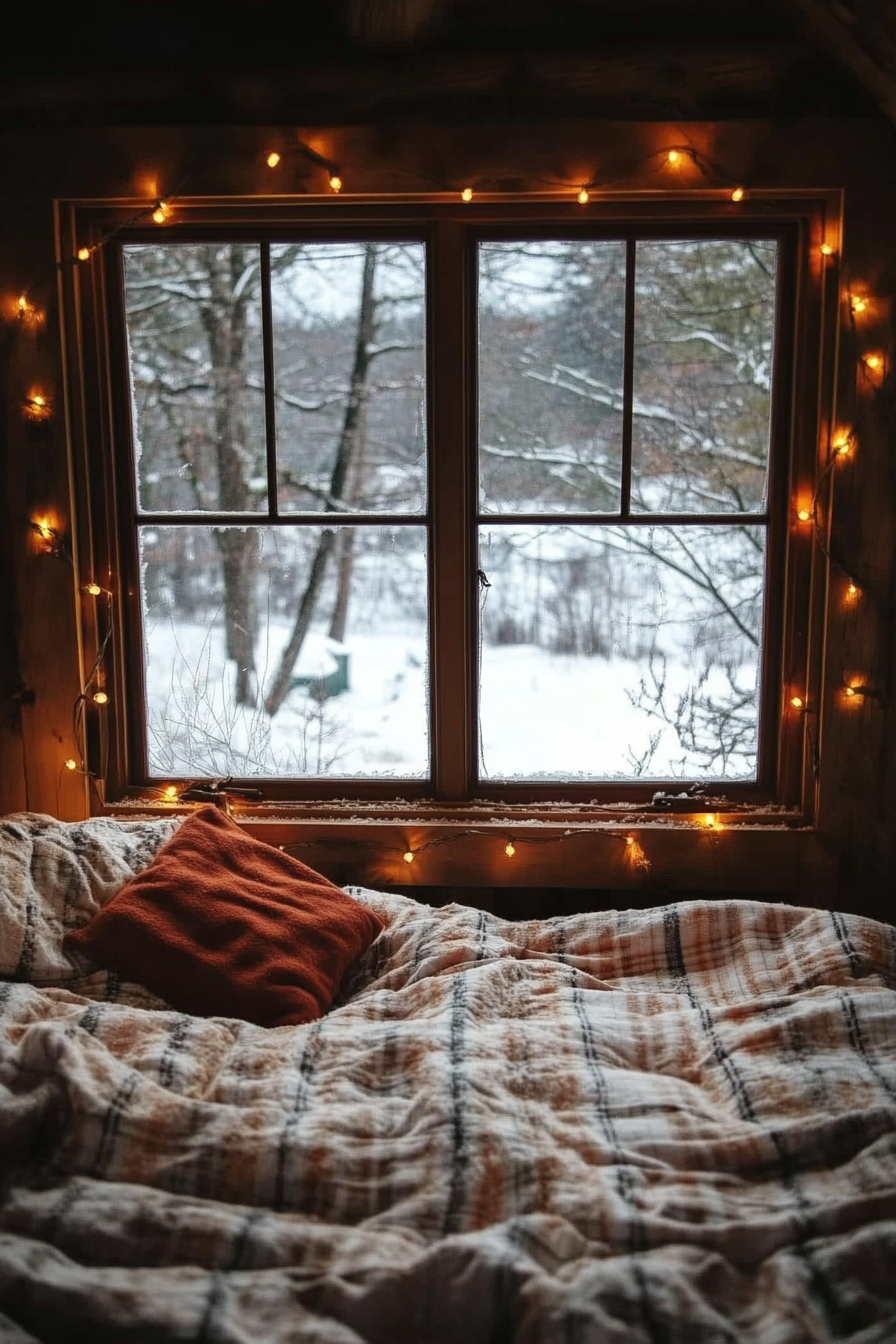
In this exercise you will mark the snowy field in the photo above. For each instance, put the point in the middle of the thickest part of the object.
(543, 715)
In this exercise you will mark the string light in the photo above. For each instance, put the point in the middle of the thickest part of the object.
(636, 854)
(797, 701)
(857, 691)
(37, 407)
(44, 530)
(634, 851)
(100, 698)
(171, 791)
(70, 763)
(709, 820)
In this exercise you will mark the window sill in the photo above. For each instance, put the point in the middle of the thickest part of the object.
(759, 850)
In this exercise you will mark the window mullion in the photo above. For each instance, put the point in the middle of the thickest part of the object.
(267, 345)
(452, 543)
(628, 378)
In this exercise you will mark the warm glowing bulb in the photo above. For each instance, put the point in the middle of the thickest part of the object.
(94, 589)
(738, 194)
(849, 690)
(629, 839)
(22, 303)
(583, 197)
(100, 698)
(408, 856)
(36, 407)
(709, 820)
(273, 159)
(510, 849)
(673, 156)
(873, 361)
(858, 303)
(335, 183)
(826, 250)
(83, 253)
(171, 791)
(161, 212)
(467, 194)
(796, 701)
(804, 515)
(841, 447)
(852, 590)
(70, 764)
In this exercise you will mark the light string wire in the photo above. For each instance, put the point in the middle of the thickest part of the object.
(512, 841)
(871, 373)
(93, 686)
(37, 406)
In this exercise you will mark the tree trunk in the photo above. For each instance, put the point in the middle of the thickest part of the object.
(345, 452)
(343, 585)
(224, 319)
(239, 562)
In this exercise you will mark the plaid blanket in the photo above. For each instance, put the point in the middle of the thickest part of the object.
(671, 1125)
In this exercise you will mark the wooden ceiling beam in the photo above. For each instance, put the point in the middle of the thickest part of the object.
(861, 36)
(621, 82)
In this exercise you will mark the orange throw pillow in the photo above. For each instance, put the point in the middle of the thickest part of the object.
(223, 925)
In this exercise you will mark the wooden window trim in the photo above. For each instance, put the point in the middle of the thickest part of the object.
(101, 479)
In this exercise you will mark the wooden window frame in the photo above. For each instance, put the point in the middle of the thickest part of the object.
(103, 492)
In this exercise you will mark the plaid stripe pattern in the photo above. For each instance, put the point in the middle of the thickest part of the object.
(672, 1125)
(55, 876)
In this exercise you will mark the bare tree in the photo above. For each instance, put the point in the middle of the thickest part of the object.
(345, 453)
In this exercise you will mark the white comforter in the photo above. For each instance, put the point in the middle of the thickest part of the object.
(666, 1125)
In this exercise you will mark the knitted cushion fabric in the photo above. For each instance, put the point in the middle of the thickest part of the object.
(223, 925)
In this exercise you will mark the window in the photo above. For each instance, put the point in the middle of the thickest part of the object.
(450, 506)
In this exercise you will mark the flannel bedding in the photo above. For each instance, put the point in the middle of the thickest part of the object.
(672, 1125)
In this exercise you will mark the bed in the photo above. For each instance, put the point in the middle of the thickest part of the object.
(675, 1124)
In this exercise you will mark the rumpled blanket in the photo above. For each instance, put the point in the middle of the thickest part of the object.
(669, 1125)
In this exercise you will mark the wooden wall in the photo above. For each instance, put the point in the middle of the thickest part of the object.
(848, 854)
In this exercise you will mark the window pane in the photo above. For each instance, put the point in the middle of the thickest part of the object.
(219, 608)
(551, 319)
(621, 652)
(194, 336)
(349, 326)
(704, 325)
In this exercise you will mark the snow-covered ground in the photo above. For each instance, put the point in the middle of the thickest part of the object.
(542, 715)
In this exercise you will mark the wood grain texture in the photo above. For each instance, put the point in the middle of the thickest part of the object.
(632, 80)
(861, 36)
